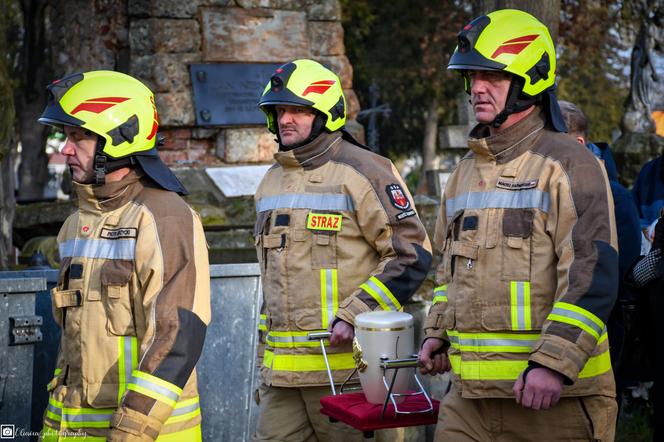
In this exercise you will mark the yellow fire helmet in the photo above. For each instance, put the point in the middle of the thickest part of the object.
(305, 83)
(514, 42)
(121, 111)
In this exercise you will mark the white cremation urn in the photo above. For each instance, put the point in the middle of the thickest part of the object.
(382, 334)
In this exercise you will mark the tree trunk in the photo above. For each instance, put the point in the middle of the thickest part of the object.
(7, 144)
(30, 101)
(547, 11)
(429, 145)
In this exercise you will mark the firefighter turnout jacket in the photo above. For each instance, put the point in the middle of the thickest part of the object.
(529, 268)
(133, 301)
(337, 234)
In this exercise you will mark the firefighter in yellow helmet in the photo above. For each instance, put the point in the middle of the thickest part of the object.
(527, 245)
(337, 234)
(133, 295)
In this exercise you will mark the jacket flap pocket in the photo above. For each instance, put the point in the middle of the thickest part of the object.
(116, 272)
(322, 239)
(465, 249)
(66, 298)
(274, 241)
(518, 223)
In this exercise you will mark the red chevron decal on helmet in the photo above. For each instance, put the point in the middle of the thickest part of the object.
(318, 87)
(515, 45)
(98, 105)
(155, 120)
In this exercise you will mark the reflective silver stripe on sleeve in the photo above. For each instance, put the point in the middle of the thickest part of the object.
(579, 317)
(386, 299)
(98, 248)
(156, 388)
(184, 410)
(518, 199)
(322, 201)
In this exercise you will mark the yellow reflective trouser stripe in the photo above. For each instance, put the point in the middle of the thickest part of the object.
(338, 361)
(520, 305)
(262, 323)
(57, 371)
(510, 370)
(440, 294)
(192, 434)
(329, 296)
(575, 315)
(381, 294)
(289, 339)
(127, 360)
(154, 387)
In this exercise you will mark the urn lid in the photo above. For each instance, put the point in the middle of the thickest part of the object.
(384, 319)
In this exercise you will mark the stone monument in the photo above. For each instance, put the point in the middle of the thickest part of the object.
(638, 142)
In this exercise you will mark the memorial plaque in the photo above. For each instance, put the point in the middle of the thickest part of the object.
(228, 94)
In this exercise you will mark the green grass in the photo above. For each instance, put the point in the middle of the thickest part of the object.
(635, 421)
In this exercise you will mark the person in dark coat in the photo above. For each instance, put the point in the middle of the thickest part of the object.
(629, 238)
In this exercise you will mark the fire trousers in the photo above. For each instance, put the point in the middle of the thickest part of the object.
(587, 418)
(293, 415)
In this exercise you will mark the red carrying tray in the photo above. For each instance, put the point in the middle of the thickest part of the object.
(354, 410)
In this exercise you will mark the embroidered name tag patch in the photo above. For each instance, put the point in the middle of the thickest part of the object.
(119, 233)
(324, 221)
(514, 185)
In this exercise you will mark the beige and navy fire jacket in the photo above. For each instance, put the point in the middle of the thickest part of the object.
(337, 234)
(133, 303)
(528, 262)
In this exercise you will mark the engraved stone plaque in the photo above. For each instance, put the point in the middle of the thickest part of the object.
(227, 94)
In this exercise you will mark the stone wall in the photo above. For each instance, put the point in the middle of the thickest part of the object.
(156, 41)
(166, 36)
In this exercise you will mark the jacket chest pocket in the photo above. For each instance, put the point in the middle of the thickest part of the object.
(69, 291)
(444, 271)
(516, 244)
(324, 250)
(116, 296)
(463, 257)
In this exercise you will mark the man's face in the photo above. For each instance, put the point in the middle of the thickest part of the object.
(488, 93)
(79, 148)
(294, 123)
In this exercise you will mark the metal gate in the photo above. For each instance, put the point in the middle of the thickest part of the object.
(227, 373)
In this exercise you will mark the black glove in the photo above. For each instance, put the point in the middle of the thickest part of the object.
(658, 241)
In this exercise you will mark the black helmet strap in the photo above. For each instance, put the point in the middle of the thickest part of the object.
(516, 101)
(103, 164)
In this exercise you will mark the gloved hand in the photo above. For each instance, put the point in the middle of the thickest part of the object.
(658, 240)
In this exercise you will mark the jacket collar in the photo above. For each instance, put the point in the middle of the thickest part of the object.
(311, 155)
(511, 142)
(109, 196)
